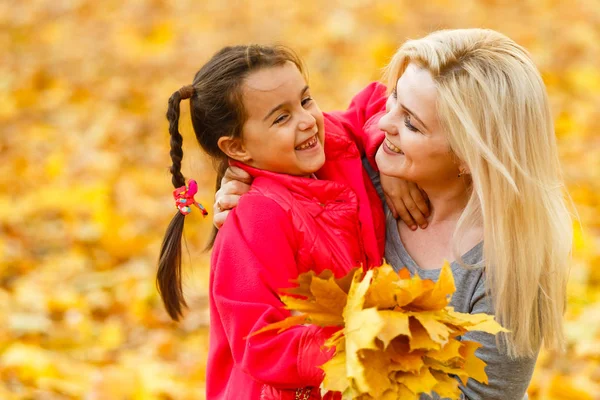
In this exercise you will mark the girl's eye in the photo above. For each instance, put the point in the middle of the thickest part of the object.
(394, 94)
(306, 101)
(280, 119)
(407, 123)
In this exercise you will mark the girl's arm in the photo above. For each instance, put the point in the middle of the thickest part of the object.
(364, 105)
(404, 199)
(253, 258)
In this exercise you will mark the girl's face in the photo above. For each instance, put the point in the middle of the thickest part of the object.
(284, 129)
(415, 146)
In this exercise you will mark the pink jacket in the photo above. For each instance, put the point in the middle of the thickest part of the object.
(284, 226)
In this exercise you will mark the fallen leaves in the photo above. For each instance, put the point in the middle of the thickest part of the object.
(83, 92)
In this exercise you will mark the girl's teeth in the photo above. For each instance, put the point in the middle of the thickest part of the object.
(308, 144)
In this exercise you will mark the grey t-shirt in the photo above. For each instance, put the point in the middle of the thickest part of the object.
(508, 378)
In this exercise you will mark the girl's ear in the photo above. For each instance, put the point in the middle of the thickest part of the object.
(234, 148)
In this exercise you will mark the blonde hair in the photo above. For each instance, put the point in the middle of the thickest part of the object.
(493, 105)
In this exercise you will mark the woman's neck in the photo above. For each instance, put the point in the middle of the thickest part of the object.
(447, 202)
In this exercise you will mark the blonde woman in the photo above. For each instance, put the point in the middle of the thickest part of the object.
(468, 120)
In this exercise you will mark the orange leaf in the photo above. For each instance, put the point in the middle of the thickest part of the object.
(282, 325)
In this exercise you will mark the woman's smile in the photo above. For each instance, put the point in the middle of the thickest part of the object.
(390, 147)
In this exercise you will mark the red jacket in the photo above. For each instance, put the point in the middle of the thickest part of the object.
(284, 226)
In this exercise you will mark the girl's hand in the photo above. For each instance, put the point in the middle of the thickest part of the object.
(235, 183)
(406, 200)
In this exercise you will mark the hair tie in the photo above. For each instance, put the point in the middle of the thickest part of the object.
(184, 198)
(187, 91)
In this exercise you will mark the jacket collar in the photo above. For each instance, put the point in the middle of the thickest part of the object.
(319, 191)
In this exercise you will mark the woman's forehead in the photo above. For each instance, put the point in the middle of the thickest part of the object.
(417, 91)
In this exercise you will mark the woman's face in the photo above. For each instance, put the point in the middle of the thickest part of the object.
(415, 146)
(284, 130)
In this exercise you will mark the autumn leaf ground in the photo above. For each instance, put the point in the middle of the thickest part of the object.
(85, 188)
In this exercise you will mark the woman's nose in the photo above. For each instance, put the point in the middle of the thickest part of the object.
(387, 124)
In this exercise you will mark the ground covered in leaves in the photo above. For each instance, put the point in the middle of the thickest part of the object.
(85, 192)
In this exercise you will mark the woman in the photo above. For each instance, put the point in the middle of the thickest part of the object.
(468, 120)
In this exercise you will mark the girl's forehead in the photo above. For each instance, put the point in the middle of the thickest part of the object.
(273, 79)
(270, 87)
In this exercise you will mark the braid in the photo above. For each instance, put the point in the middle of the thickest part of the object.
(176, 140)
(168, 276)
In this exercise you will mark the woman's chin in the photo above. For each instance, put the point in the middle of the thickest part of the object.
(388, 165)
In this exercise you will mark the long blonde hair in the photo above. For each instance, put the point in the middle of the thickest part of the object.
(493, 104)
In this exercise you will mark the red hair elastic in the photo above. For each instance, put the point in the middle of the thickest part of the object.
(184, 198)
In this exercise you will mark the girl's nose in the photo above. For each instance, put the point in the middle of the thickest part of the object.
(387, 124)
(307, 122)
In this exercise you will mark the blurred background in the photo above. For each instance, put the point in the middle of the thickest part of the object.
(85, 192)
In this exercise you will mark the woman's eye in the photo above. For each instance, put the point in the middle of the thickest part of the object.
(306, 101)
(394, 94)
(407, 123)
(280, 119)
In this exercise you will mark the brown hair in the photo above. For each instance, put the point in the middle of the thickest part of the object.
(217, 110)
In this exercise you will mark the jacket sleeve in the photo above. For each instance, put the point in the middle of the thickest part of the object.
(364, 106)
(253, 258)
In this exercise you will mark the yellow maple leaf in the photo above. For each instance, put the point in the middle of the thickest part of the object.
(361, 330)
(407, 362)
(394, 324)
(304, 281)
(449, 352)
(475, 322)
(328, 295)
(420, 338)
(474, 367)
(447, 387)
(438, 331)
(440, 294)
(372, 381)
(410, 289)
(421, 382)
(335, 373)
(315, 314)
(382, 292)
(448, 370)
(337, 341)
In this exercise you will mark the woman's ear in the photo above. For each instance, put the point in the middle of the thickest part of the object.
(234, 149)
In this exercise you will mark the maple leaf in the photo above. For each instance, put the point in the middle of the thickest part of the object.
(382, 292)
(281, 326)
(440, 294)
(474, 367)
(335, 373)
(421, 382)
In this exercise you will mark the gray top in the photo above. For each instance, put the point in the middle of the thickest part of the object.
(508, 378)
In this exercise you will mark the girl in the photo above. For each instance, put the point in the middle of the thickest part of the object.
(251, 107)
(468, 120)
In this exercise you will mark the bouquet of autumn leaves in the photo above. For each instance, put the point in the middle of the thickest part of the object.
(399, 337)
